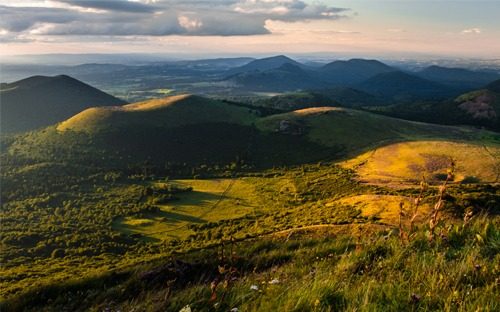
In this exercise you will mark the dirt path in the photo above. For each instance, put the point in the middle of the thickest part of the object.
(497, 166)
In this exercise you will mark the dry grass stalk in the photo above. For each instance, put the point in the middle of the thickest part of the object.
(406, 235)
(434, 218)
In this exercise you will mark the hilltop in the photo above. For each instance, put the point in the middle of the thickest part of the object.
(353, 71)
(168, 112)
(264, 64)
(40, 101)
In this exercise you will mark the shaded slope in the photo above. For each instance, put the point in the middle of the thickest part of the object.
(39, 101)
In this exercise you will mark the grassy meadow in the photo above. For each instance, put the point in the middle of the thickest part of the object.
(235, 208)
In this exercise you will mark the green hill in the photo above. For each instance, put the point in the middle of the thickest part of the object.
(355, 130)
(193, 130)
(40, 101)
(169, 112)
(298, 100)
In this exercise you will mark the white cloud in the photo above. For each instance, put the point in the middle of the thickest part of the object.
(471, 31)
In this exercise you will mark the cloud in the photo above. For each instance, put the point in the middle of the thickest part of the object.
(113, 5)
(471, 31)
(158, 17)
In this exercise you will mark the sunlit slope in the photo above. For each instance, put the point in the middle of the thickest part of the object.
(409, 161)
(168, 112)
(355, 130)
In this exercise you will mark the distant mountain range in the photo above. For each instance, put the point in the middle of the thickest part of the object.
(40, 101)
(280, 73)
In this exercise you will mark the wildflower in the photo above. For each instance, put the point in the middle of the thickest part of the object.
(234, 310)
(415, 298)
(187, 308)
(254, 287)
(274, 281)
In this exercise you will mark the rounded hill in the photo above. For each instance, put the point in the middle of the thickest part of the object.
(168, 112)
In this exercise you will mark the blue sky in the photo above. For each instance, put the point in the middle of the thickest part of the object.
(252, 27)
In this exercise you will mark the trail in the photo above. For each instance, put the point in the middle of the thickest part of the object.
(497, 165)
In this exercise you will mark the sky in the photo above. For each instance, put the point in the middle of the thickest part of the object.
(252, 27)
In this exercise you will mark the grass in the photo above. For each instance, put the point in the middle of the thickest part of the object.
(382, 208)
(357, 130)
(306, 271)
(407, 162)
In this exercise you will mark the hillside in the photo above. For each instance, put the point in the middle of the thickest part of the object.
(287, 77)
(400, 86)
(457, 77)
(494, 86)
(355, 130)
(402, 163)
(297, 100)
(190, 203)
(480, 108)
(40, 101)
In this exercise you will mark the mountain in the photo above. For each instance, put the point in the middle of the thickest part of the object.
(353, 71)
(265, 64)
(400, 86)
(457, 77)
(40, 101)
(287, 77)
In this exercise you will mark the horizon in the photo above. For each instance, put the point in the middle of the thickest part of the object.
(366, 29)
